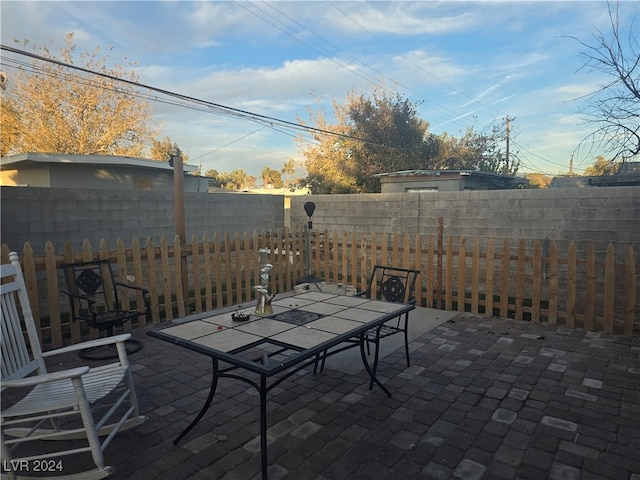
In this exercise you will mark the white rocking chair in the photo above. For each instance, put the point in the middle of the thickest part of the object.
(60, 405)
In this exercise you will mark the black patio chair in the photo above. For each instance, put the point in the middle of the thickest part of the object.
(388, 284)
(397, 285)
(94, 297)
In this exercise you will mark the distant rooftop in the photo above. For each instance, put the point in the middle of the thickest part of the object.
(438, 173)
(30, 160)
(629, 168)
(628, 174)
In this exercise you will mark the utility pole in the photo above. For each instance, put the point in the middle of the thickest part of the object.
(571, 165)
(507, 154)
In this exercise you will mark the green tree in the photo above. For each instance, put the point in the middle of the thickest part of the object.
(370, 136)
(214, 178)
(602, 166)
(391, 137)
(384, 134)
(272, 177)
(163, 149)
(538, 180)
(329, 166)
(51, 108)
(289, 171)
(471, 151)
(237, 180)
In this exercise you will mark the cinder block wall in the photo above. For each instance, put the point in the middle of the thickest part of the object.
(598, 214)
(37, 215)
(594, 214)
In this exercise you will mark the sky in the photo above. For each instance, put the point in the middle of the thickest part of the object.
(464, 64)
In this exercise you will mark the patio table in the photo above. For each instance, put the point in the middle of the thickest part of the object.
(263, 351)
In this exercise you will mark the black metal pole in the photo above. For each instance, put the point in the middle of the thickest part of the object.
(263, 425)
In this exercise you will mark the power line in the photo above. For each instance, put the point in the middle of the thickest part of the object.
(234, 141)
(217, 107)
(339, 54)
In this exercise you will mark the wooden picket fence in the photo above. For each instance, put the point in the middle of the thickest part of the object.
(590, 290)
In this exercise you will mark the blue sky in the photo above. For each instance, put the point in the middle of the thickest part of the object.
(465, 63)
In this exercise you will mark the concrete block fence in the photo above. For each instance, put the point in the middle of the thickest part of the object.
(601, 215)
(37, 215)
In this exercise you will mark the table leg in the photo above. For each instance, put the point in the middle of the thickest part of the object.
(263, 425)
(363, 354)
(376, 356)
(207, 403)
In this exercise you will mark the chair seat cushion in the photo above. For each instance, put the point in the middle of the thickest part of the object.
(57, 395)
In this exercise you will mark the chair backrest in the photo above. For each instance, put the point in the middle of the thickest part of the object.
(392, 284)
(93, 279)
(19, 358)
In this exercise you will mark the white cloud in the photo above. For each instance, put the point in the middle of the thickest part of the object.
(400, 18)
(468, 62)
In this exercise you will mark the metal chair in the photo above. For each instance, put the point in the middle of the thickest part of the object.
(391, 284)
(95, 298)
(79, 403)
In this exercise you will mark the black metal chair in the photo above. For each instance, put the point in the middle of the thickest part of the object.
(389, 284)
(397, 285)
(95, 298)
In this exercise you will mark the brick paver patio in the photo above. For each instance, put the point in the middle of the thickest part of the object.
(485, 398)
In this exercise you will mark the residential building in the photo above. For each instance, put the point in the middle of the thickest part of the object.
(95, 172)
(446, 181)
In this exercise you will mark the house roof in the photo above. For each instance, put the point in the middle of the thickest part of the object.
(461, 173)
(31, 160)
(629, 168)
(570, 181)
(627, 175)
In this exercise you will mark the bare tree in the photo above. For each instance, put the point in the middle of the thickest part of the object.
(48, 108)
(614, 108)
(161, 150)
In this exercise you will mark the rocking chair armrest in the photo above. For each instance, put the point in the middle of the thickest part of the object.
(89, 344)
(45, 378)
(134, 287)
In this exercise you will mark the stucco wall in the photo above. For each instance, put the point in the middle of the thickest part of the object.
(37, 215)
(601, 215)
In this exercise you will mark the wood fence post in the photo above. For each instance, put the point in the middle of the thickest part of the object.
(571, 285)
(489, 279)
(439, 254)
(609, 288)
(630, 290)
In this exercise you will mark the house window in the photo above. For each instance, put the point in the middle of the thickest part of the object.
(142, 184)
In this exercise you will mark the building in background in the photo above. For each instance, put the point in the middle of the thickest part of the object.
(627, 175)
(446, 181)
(95, 172)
